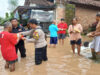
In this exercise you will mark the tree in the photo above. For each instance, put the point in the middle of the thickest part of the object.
(7, 15)
(1, 21)
(12, 4)
(7, 18)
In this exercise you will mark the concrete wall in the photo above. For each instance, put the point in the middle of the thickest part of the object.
(60, 1)
(60, 12)
(86, 16)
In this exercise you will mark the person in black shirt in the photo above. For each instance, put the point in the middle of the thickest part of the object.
(16, 29)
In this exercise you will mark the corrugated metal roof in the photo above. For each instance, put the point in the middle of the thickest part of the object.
(38, 2)
(87, 2)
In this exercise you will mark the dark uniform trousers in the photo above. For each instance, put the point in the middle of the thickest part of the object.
(40, 55)
(21, 47)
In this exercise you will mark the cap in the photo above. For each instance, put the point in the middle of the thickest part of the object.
(33, 21)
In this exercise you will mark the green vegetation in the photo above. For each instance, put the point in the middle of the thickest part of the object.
(70, 13)
(7, 18)
(90, 29)
(1, 20)
(12, 6)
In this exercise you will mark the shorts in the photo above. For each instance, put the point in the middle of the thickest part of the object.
(78, 42)
(95, 44)
(61, 36)
(12, 62)
(53, 40)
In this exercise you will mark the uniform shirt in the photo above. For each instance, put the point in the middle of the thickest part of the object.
(62, 26)
(8, 42)
(53, 30)
(37, 37)
(17, 30)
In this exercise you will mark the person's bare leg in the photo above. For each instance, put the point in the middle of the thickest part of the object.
(93, 53)
(63, 41)
(7, 65)
(73, 48)
(78, 48)
(54, 46)
(12, 67)
(59, 41)
(49, 45)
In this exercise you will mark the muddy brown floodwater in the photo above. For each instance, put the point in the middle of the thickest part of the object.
(61, 62)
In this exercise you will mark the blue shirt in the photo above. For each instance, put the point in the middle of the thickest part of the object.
(53, 30)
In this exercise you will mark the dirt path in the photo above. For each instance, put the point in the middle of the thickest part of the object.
(61, 62)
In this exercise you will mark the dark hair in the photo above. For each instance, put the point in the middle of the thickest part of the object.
(62, 19)
(33, 21)
(13, 19)
(98, 14)
(75, 18)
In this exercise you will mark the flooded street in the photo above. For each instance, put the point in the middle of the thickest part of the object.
(61, 62)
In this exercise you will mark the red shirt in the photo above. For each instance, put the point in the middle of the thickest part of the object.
(8, 42)
(62, 26)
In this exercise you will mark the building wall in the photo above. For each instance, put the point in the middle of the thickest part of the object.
(60, 10)
(86, 16)
(60, 1)
(60, 13)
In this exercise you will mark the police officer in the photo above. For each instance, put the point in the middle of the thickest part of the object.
(38, 38)
(16, 29)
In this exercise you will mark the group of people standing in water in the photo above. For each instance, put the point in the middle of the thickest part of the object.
(12, 40)
(59, 31)
(13, 37)
(74, 31)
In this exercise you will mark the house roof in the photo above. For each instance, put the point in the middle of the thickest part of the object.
(25, 8)
(38, 2)
(40, 5)
(87, 2)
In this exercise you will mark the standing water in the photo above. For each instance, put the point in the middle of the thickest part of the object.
(85, 51)
(61, 62)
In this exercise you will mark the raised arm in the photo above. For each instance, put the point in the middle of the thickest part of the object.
(36, 36)
(97, 34)
(26, 33)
